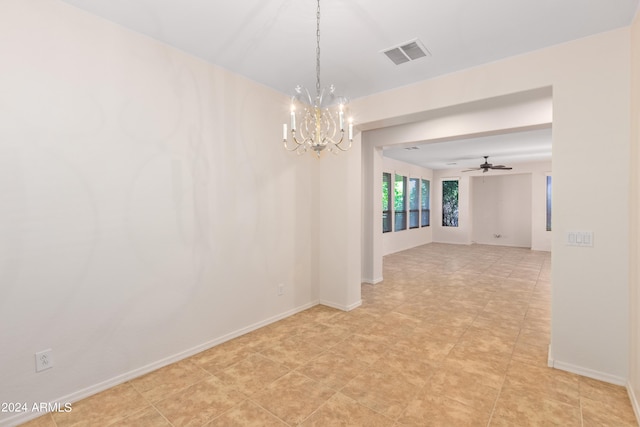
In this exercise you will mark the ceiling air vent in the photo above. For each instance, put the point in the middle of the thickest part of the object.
(408, 51)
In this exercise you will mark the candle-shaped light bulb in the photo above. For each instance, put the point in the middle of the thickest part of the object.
(341, 118)
(350, 128)
(284, 132)
(293, 118)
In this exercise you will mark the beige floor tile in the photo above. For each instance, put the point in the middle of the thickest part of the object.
(166, 381)
(531, 337)
(247, 414)
(517, 407)
(536, 355)
(598, 398)
(491, 367)
(365, 348)
(293, 397)
(252, 374)
(463, 387)
(199, 403)
(103, 408)
(324, 336)
(455, 335)
(486, 342)
(595, 413)
(222, 356)
(383, 389)
(292, 352)
(333, 370)
(319, 313)
(149, 417)
(428, 410)
(423, 346)
(543, 381)
(42, 421)
(340, 410)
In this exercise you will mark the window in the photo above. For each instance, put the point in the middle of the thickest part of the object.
(450, 203)
(414, 203)
(548, 203)
(400, 203)
(425, 210)
(386, 202)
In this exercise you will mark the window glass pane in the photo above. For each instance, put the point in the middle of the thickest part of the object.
(424, 203)
(450, 203)
(548, 203)
(386, 202)
(414, 203)
(400, 203)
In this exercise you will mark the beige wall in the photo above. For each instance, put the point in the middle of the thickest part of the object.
(590, 320)
(470, 224)
(148, 210)
(634, 337)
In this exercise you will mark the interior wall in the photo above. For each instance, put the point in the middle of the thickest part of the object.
(396, 241)
(502, 210)
(634, 296)
(472, 226)
(337, 222)
(148, 209)
(591, 125)
(372, 245)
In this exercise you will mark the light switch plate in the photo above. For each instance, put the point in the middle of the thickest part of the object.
(580, 238)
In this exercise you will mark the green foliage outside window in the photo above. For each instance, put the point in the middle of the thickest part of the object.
(450, 203)
(399, 203)
(386, 202)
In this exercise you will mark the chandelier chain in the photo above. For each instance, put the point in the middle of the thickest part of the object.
(318, 50)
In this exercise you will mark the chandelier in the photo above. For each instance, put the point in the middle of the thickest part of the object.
(318, 123)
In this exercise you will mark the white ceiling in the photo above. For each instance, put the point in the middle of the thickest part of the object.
(505, 149)
(273, 42)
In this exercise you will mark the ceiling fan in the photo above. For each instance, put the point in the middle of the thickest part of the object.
(486, 166)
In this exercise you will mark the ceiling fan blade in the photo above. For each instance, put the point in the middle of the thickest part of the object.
(471, 170)
(501, 167)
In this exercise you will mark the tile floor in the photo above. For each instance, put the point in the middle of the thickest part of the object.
(454, 336)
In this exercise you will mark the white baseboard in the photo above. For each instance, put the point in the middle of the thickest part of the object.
(634, 401)
(340, 306)
(372, 281)
(112, 382)
(586, 372)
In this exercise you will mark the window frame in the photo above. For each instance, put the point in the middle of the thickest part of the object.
(414, 211)
(425, 203)
(400, 225)
(388, 211)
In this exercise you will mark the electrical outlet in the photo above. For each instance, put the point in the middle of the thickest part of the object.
(280, 289)
(44, 360)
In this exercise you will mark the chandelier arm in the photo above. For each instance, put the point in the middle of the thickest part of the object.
(286, 145)
(339, 144)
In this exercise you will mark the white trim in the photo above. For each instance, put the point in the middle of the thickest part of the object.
(104, 385)
(340, 306)
(590, 373)
(634, 401)
(372, 281)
